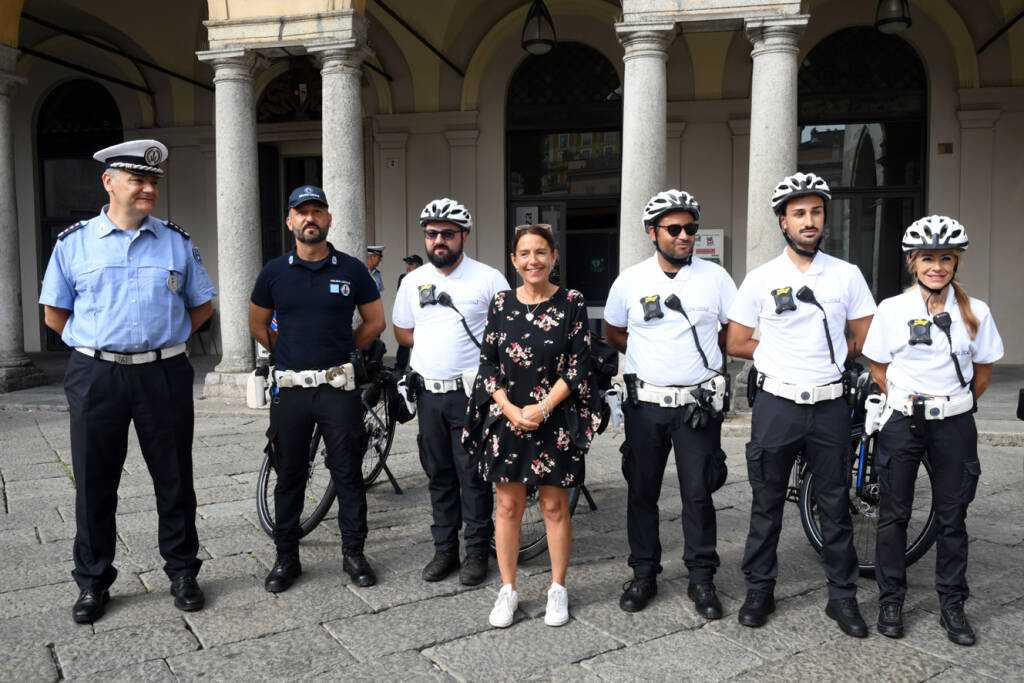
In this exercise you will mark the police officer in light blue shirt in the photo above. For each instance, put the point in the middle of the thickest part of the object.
(125, 291)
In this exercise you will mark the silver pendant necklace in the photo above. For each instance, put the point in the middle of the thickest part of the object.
(529, 312)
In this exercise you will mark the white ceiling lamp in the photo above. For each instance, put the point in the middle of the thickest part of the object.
(538, 30)
(893, 16)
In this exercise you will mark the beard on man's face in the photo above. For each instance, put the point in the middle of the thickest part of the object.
(312, 237)
(447, 257)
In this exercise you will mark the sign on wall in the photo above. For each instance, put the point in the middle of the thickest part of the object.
(710, 245)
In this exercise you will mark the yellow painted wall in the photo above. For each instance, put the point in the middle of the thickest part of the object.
(245, 9)
(10, 18)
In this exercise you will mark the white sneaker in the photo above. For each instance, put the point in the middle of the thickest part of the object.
(505, 607)
(557, 613)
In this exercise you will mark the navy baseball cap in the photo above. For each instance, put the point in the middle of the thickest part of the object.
(414, 258)
(306, 193)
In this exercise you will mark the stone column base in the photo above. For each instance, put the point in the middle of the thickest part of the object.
(14, 378)
(225, 384)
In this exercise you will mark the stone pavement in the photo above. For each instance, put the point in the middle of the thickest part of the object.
(325, 628)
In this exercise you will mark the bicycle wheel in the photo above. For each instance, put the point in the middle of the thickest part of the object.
(379, 422)
(921, 529)
(533, 536)
(318, 498)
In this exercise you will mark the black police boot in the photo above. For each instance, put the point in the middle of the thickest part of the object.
(441, 565)
(890, 619)
(636, 593)
(356, 566)
(188, 596)
(705, 599)
(90, 605)
(756, 608)
(286, 569)
(474, 570)
(847, 614)
(957, 627)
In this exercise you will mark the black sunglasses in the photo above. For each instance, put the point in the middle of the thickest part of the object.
(675, 228)
(446, 235)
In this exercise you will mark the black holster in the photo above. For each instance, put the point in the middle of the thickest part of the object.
(630, 379)
(752, 386)
(413, 385)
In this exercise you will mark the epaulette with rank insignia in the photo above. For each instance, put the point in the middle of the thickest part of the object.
(71, 228)
(178, 229)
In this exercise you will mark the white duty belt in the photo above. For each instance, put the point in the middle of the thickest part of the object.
(133, 358)
(672, 397)
(339, 377)
(804, 394)
(442, 386)
(935, 407)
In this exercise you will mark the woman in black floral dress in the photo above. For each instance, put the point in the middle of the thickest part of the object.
(533, 412)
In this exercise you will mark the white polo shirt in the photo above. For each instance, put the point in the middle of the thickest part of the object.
(443, 350)
(928, 368)
(661, 350)
(793, 347)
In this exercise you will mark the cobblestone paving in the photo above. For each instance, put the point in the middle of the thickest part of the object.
(325, 628)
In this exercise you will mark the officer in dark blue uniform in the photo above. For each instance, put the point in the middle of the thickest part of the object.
(126, 291)
(315, 290)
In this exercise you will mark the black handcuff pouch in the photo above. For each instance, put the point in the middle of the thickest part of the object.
(917, 419)
(631, 396)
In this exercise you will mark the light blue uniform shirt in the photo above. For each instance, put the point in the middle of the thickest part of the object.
(128, 290)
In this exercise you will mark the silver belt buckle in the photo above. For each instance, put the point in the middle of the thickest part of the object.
(122, 358)
(670, 400)
(804, 397)
(438, 386)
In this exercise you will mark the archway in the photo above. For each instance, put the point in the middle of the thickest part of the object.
(564, 151)
(863, 117)
(75, 120)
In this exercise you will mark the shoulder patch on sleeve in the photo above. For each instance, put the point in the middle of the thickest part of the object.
(71, 228)
(178, 229)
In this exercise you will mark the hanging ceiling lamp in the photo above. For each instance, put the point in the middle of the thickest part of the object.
(893, 16)
(538, 30)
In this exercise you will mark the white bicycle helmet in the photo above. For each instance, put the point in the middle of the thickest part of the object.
(935, 232)
(798, 185)
(669, 200)
(445, 210)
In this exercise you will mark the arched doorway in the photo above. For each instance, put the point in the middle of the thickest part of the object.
(564, 151)
(76, 119)
(863, 127)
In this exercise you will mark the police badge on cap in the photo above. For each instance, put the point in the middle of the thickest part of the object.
(139, 157)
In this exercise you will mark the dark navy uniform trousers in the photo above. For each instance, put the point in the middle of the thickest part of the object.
(651, 431)
(293, 414)
(457, 492)
(952, 448)
(779, 430)
(104, 397)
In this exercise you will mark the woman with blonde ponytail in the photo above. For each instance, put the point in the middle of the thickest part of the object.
(931, 350)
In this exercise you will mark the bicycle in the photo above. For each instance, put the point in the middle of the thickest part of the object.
(379, 397)
(864, 498)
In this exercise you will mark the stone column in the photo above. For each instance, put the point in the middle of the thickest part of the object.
(462, 155)
(643, 131)
(977, 153)
(344, 180)
(740, 129)
(238, 209)
(773, 127)
(16, 370)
